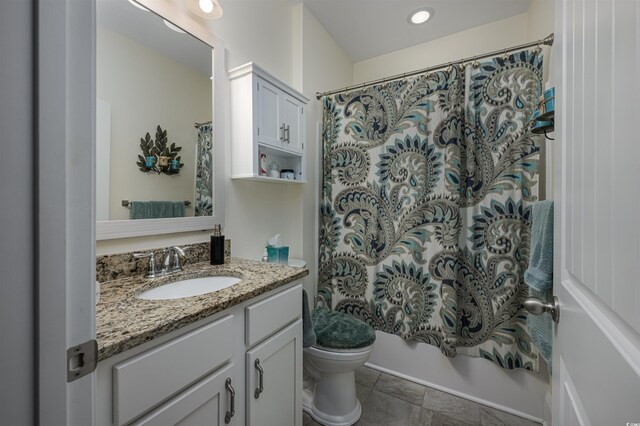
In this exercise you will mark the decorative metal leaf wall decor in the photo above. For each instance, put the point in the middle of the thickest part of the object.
(162, 154)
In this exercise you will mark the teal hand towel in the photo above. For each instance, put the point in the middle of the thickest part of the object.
(156, 209)
(308, 335)
(539, 274)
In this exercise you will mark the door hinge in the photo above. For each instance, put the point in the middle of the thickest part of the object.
(258, 86)
(81, 360)
(258, 131)
(302, 145)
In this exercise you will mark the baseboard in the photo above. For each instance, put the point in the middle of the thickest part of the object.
(457, 393)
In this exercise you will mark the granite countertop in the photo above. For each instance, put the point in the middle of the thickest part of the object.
(123, 321)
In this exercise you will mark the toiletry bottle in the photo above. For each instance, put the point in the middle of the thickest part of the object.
(217, 246)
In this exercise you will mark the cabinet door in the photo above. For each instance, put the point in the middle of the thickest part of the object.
(207, 402)
(270, 123)
(280, 359)
(292, 112)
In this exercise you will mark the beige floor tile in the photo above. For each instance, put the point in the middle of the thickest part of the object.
(386, 410)
(400, 388)
(367, 376)
(452, 406)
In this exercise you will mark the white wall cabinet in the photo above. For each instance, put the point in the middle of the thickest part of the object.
(200, 374)
(267, 117)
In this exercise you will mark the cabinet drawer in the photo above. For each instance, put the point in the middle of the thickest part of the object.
(151, 377)
(266, 317)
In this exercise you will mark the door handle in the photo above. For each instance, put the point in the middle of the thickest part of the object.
(283, 133)
(287, 134)
(232, 404)
(260, 387)
(537, 307)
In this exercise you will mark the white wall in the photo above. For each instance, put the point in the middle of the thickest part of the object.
(497, 35)
(320, 53)
(518, 391)
(140, 100)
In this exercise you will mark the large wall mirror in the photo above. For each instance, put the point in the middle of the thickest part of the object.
(158, 146)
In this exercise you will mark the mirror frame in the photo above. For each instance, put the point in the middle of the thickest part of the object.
(112, 229)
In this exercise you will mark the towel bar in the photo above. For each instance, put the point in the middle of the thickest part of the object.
(127, 203)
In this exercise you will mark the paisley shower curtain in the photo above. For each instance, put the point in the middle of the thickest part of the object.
(425, 226)
(204, 178)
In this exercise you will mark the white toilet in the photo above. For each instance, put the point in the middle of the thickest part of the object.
(329, 389)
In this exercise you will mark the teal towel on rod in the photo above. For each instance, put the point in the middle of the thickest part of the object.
(539, 276)
(156, 209)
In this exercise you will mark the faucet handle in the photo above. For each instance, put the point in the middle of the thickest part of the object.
(152, 270)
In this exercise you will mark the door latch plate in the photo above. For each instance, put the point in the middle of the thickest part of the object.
(81, 360)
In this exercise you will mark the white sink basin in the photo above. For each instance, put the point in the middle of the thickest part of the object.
(189, 288)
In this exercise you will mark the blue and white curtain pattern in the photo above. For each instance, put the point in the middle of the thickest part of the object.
(204, 169)
(425, 225)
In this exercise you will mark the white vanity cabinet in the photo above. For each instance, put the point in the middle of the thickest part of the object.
(204, 373)
(268, 119)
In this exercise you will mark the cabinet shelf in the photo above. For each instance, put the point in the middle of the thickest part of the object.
(267, 179)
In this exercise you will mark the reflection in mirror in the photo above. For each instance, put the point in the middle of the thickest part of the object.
(154, 110)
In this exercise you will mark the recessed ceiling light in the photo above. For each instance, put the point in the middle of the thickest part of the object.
(139, 6)
(209, 9)
(420, 16)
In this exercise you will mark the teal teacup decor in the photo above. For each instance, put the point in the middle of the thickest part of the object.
(149, 161)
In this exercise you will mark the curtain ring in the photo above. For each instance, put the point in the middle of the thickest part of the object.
(505, 56)
(538, 48)
(475, 64)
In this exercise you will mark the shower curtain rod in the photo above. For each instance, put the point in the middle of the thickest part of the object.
(546, 41)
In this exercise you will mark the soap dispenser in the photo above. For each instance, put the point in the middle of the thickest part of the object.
(217, 246)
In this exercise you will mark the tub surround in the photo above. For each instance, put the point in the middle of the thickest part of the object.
(123, 321)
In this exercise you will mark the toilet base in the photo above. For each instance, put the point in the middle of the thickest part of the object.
(329, 388)
(346, 419)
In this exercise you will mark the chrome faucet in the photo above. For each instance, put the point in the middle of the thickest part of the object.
(171, 262)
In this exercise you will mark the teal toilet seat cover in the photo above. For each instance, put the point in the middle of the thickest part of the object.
(338, 330)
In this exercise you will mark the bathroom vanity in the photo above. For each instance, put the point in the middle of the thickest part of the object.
(233, 356)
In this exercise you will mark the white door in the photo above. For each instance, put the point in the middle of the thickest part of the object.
(270, 121)
(292, 118)
(274, 379)
(596, 360)
(65, 126)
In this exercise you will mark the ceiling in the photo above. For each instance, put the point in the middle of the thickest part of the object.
(369, 28)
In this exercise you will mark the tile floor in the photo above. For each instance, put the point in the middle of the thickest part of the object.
(390, 401)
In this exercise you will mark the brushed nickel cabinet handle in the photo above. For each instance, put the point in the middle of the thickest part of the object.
(232, 404)
(283, 130)
(260, 387)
